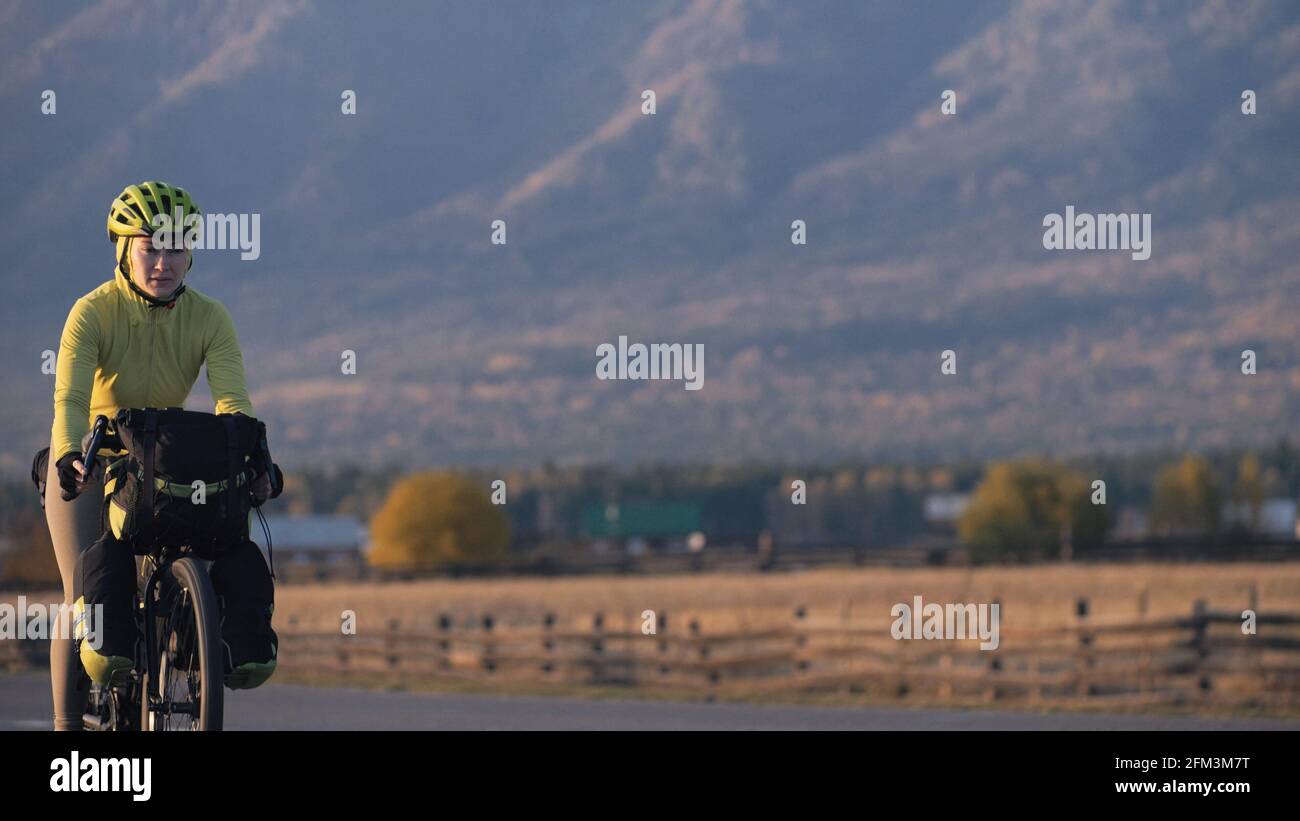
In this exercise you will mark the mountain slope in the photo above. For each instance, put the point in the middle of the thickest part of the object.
(925, 231)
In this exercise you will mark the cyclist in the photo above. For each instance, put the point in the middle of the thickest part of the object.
(139, 340)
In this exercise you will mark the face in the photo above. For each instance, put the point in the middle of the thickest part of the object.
(157, 271)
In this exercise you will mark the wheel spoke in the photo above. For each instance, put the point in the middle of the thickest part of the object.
(181, 683)
(188, 691)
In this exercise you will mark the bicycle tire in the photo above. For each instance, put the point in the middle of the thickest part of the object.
(186, 581)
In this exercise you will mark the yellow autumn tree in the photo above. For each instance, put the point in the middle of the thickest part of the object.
(1025, 509)
(432, 519)
(1187, 500)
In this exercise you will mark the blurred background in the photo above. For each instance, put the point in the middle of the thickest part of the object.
(475, 362)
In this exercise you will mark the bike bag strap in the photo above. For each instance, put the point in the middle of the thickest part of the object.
(117, 470)
(147, 492)
(233, 460)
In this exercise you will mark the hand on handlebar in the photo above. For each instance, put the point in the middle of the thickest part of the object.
(268, 486)
(261, 489)
(73, 475)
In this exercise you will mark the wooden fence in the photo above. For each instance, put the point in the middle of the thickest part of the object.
(1198, 659)
(1202, 658)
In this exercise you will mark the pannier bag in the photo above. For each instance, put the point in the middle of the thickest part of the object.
(150, 496)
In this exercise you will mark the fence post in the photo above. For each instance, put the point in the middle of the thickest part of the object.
(992, 690)
(662, 641)
(597, 646)
(800, 636)
(900, 672)
(444, 640)
(705, 652)
(1146, 682)
(548, 643)
(1036, 688)
(1200, 621)
(1084, 658)
(489, 657)
(390, 643)
(341, 652)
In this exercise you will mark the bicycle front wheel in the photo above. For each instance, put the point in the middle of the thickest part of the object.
(185, 691)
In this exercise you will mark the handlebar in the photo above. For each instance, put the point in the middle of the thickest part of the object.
(270, 468)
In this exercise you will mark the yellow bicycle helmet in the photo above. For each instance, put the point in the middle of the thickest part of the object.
(132, 214)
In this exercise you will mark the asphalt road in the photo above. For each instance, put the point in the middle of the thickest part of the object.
(25, 705)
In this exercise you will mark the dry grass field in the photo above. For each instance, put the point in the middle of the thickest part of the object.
(1037, 596)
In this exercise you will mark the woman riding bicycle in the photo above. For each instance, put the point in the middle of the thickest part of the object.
(138, 341)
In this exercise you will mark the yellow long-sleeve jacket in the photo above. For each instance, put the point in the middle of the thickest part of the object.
(118, 351)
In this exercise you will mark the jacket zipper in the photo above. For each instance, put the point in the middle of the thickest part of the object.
(153, 338)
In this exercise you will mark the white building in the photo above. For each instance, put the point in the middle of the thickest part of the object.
(945, 508)
(323, 541)
(1277, 517)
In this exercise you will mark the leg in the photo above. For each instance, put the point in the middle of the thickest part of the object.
(73, 527)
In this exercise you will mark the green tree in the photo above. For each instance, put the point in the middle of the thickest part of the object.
(432, 519)
(1026, 509)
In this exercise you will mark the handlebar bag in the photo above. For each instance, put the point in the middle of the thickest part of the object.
(182, 479)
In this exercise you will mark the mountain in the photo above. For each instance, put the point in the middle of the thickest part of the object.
(925, 231)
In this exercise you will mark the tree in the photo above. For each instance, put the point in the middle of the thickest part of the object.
(1026, 509)
(432, 519)
(1187, 499)
(1248, 493)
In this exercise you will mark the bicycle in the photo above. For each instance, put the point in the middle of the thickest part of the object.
(177, 681)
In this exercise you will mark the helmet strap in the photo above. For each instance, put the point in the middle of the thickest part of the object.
(152, 300)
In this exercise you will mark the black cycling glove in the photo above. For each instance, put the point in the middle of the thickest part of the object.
(68, 475)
